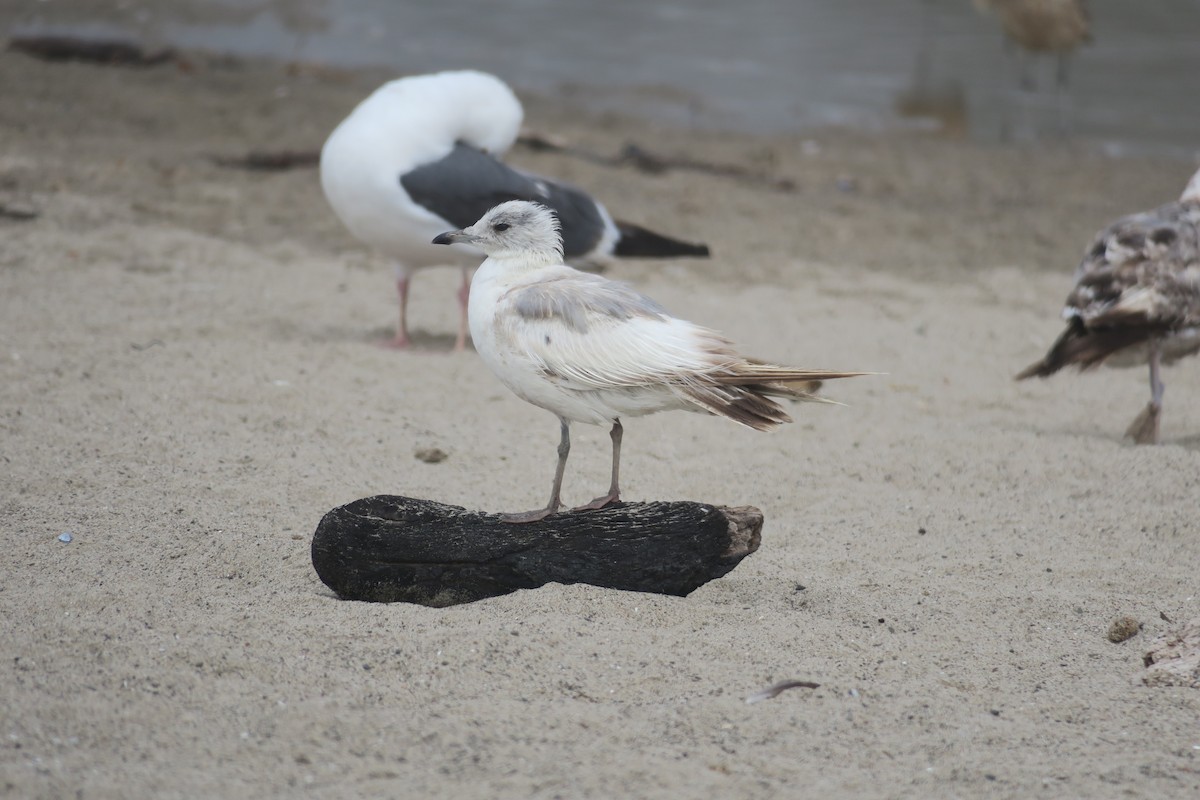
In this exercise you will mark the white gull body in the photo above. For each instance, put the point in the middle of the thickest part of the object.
(404, 124)
(421, 155)
(593, 350)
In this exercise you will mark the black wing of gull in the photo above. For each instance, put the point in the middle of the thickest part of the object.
(467, 183)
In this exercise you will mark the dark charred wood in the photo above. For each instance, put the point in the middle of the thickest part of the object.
(271, 161)
(18, 211)
(118, 52)
(400, 549)
(653, 163)
(542, 143)
(643, 160)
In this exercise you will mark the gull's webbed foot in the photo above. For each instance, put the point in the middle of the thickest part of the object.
(528, 516)
(1144, 429)
(398, 342)
(599, 502)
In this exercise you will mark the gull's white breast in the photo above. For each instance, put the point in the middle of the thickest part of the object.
(504, 340)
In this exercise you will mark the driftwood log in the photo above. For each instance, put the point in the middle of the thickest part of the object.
(644, 160)
(387, 549)
(119, 52)
(270, 160)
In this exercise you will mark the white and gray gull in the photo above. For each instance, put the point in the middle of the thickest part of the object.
(1136, 300)
(422, 154)
(589, 349)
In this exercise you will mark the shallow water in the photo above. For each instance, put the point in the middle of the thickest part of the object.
(757, 66)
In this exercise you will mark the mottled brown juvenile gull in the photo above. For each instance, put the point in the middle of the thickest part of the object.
(421, 155)
(593, 350)
(1136, 299)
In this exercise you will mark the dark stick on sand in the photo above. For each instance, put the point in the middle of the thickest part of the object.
(644, 160)
(388, 549)
(271, 160)
(631, 154)
(118, 52)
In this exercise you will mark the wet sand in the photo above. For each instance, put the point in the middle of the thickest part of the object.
(187, 383)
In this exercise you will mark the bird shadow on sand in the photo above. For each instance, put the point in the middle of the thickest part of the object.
(1189, 442)
(420, 341)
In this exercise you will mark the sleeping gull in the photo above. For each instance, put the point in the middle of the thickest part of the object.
(1136, 297)
(420, 155)
(592, 350)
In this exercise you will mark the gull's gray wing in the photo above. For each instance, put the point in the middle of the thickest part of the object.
(466, 183)
(580, 300)
(586, 333)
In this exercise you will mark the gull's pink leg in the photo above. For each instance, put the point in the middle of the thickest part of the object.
(400, 340)
(614, 490)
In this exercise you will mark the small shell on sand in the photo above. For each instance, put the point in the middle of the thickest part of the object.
(431, 455)
(1123, 628)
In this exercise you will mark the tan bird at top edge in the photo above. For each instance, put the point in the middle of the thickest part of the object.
(1042, 26)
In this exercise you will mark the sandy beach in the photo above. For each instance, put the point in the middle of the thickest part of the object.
(188, 382)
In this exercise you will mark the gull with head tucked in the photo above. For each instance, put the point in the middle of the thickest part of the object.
(593, 350)
(422, 154)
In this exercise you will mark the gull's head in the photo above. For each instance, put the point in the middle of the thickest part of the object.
(516, 229)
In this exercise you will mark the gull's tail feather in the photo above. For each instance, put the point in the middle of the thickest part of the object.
(807, 390)
(757, 372)
(801, 384)
(744, 392)
(639, 242)
(741, 404)
(807, 393)
(1085, 348)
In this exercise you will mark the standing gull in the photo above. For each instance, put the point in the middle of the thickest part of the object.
(420, 155)
(592, 350)
(1136, 297)
(1042, 26)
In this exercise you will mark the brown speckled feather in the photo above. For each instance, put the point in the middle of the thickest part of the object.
(1140, 279)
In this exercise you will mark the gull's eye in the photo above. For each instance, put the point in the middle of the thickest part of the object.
(501, 226)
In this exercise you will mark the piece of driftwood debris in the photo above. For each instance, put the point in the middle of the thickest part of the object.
(546, 143)
(644, 160)
(17, 210)
(122, 52)
(1174, 658)
(776, 689)
(271, 160)
(388, 549)
(650, 162)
